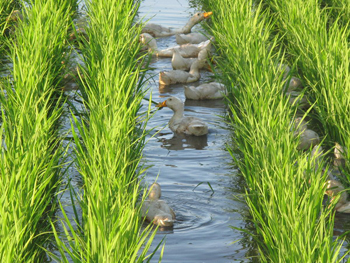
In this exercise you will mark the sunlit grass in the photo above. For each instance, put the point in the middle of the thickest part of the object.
(285, 190)
(30, 148)
(319, 42)
(109, 141)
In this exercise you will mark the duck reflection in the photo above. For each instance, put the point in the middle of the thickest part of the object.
(181, 142)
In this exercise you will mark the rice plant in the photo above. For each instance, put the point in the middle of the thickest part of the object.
(319, 43)
(285, 186)
(109, 140)
(30, 148)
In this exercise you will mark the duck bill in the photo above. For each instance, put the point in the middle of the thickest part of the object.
(161, 104)
(207, 14)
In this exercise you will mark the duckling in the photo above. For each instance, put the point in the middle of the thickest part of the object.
(180, 76)
(192, 38)
(212, 90)
(155, 210)
(161, 31)
(180, 124)
(187, 50)
(178, 62)
(333, 188)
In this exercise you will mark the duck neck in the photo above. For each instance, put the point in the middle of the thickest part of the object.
(186, 28)
(152, 46)
(195, 68)
(178, 114)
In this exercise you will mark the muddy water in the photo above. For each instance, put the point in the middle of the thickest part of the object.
(202, 230)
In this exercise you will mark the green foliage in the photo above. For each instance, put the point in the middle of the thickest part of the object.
(319, 42)
(30, 148)
(109, 141)
(285, 186)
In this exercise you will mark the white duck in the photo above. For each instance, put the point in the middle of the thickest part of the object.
(297, 99)
(155, 210)
(212, 90)
(339, 152)
(180, 76)
(161, 31)
(187, 50)
(307, 138)
(293, 85)
(15, 16)
(181, 63)
(192, 38)
(333, 188)
(283, 68)
(180, 124)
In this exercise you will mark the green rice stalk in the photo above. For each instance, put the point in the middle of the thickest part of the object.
(109, 142)
(285, 188)
(30, 148)
(320, 43)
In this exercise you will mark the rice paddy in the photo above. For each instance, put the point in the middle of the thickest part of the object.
(285, 185)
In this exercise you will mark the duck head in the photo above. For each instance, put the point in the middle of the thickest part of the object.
(197, 17)
(173, 103)
(15, 16)
(154, 192)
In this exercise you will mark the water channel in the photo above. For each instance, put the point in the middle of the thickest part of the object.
(202, 231)
(197, 175)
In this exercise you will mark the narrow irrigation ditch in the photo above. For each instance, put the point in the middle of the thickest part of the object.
(75, 164)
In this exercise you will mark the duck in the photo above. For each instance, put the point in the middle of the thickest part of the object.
(296, 98)
(339, 159)
(307, 137)
(283, 68)
(187, 50)
(181, 124)
(15, 16)
(334, 188)
(157, 211)
(212, 90)
(161, 31)
(181, 76)
(292, 85)
(79, 34)
(178, 62)
(192, 38)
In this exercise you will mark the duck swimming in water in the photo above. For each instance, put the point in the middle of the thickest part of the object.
(155, 210)
(334, 188)
(178, 62)
(212, 90)
(187, 50)
(181, 124)
(192, 38)
(180, 76)
(161, 31)
(308, 138)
